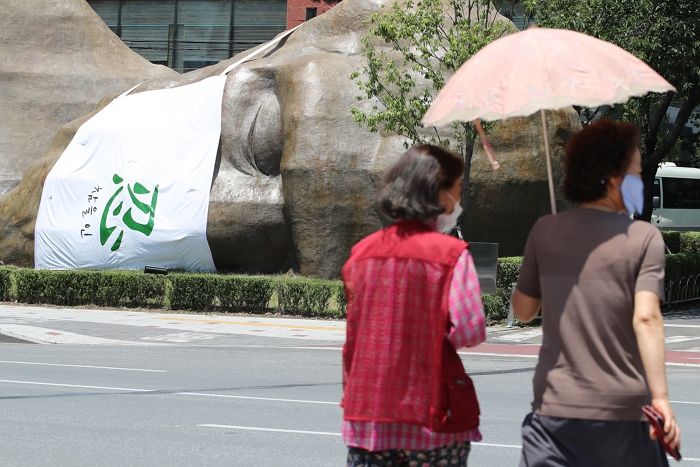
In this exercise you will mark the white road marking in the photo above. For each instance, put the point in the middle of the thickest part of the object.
(273, 430)
(195, 394)
(684, 402)
(179, 337)
(329, 433)
(54, 336)
(84, 366)
(691, 326)
(677, 339)
(495, 445)
(273, 399)
(690, 365)
(493, 354)
(519, 336)
(61, 385)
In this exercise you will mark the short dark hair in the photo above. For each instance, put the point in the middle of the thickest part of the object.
(410, 187)
(598, 152)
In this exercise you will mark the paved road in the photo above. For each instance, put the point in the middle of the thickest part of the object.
(260, 396)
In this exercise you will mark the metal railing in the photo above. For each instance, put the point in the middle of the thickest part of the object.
(682, 290)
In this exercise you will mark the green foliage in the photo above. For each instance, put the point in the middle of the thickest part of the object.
(75, 288)
(341, 299)
(410, 52)
(5, 283)
(682, 265)
(193, 291)
(303, 296)
(494, 308)
(663, 33)
(245, 293)
(131, 289)
(690, 243)
(507, 271)
(672, 241)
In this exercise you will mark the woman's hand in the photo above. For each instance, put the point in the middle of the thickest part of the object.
(671, 428)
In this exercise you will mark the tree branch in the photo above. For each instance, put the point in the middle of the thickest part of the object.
(681, 119)
(651, 138)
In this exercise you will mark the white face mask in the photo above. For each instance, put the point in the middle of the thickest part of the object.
(447, 222)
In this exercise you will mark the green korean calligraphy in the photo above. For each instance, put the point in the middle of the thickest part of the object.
(136, 194)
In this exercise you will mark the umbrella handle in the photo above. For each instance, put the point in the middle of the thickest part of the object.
(487, 145)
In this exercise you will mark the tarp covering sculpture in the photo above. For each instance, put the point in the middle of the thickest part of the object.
(132, 187)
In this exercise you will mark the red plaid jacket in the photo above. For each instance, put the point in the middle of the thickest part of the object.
(397, 364)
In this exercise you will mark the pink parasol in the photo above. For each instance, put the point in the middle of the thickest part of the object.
(541, 69)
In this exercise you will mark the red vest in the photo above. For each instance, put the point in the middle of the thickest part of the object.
(398, 365)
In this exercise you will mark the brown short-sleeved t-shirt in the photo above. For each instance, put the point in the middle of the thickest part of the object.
(586, 265)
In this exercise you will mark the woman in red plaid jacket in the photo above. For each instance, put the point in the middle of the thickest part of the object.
(413, 299)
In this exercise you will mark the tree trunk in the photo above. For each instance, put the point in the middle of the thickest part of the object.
(655, 152)
(468, 154)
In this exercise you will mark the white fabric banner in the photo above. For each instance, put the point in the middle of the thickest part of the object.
(132, 187)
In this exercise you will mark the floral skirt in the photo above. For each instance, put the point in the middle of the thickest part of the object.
(454, 455)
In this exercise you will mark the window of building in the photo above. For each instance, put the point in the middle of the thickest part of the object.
(189, 34)
(311, 13)
(681, 193)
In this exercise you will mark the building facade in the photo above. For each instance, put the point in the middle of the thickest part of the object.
(299, 11)
(189, 34)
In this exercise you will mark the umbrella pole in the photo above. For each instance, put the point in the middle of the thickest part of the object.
(550, 178)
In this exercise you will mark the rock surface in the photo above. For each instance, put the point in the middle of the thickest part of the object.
(296, 178)
(57, 60)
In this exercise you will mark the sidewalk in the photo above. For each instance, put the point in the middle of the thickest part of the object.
(85, 326)
(99, 326)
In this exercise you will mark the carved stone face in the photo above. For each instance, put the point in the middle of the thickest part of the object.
(296, 176)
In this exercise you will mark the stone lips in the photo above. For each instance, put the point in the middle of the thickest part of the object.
(296, 177)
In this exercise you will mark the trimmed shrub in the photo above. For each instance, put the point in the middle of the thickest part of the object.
(507, 271)
(132, 289)
(5, 282)
(193, 291)
(75, 288)
(243, 293)
(672, 241)
(494, 308)
(304, 296)
(341, 299)
(682, 264)
(690, 243)
(32, 287)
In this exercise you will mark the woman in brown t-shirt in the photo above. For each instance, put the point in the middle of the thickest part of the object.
(598, 277)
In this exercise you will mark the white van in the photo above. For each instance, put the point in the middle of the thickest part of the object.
(676, 198)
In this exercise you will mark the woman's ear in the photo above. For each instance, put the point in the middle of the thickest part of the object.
(615, 182)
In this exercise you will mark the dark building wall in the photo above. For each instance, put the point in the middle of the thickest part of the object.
(190, 34)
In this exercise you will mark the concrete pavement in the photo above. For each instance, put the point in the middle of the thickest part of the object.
(87, 326)
(250, 405)
(143, 388)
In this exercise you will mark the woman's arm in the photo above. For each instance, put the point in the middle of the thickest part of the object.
(466, 310)
(525, 307)
(649, 329)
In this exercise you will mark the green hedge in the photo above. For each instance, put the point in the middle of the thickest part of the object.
(177, 291)
(672, 240)
(494, 307)
(292, 295)
(690, 243)
(5, 283)
(304, 296)
(102, 288)
(245, 293)
(682, 264)
(193, 291)
(341, 299)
